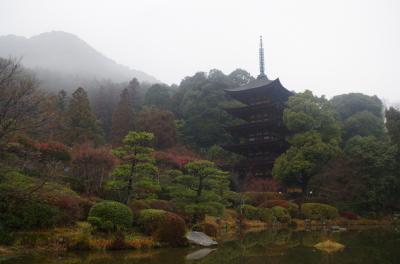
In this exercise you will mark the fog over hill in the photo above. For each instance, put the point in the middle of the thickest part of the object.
(63, 59)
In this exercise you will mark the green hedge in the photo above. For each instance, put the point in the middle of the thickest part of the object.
(111, 215)
(281, 214)
(318, 211)
(253, 213)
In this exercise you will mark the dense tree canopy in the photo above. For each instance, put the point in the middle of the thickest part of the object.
(82, 125)
(161, 123)
(122, 118)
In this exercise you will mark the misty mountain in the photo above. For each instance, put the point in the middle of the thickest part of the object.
(63, 59)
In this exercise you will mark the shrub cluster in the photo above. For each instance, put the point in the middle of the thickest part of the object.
(110, 215)
(318, 211)
(281, 214)
(166, 226)
(22, 214)
(253, 213)
(293, 208)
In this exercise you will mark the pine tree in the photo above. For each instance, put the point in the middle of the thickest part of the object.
(122, 119)
(82, 125)
(133, 89)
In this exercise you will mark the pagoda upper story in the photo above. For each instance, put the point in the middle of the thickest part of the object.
(262, 138)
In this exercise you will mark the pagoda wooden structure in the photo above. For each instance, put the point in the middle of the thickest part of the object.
(262, 137)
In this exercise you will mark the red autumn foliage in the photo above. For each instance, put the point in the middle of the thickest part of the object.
(53, 151)
(258, 184)
(177, 156)
(91, 167)
(349, 215)
(71, 208)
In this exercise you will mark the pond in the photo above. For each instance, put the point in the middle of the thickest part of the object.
(378, 245)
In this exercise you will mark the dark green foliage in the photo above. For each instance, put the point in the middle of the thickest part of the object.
(201, 190)
(346, 105)
(393, 125)
(315, 141)
(81, 123)
(200, 100)
(137, 172)
(159, 96)
(18, 213)
(117, 213)
(317, 211)
(281, 214)
(364, 124)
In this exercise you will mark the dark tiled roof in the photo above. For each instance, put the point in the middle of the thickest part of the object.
(253, 84)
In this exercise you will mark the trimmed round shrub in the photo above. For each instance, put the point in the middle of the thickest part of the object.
(167, 227)
(266, 215)
(250, 212)
(117, 213)
(281, 214)
(172, 230)
(318, 211)
(293, 209)
(149, 220)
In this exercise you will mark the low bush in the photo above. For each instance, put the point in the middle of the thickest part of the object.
(172, 230)
(266, 215)
(250, 212)
(281, 214)
(118, 214)
(293, 208)
(349, 215)
(318, 211)
(150, 219)
(167, 227)
(18, 213)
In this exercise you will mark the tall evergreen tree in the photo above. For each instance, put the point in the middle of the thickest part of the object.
(134, 89)
(82, 125)
(122, 119)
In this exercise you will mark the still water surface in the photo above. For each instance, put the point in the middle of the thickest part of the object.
(379, 245)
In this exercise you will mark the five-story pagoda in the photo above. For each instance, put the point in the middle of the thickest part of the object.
(261, 139)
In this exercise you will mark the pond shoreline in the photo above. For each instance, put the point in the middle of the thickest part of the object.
(52, 239)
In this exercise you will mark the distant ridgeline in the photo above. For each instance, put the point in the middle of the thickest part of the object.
(261, 139)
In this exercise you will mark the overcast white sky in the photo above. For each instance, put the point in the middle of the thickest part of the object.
(328, 46)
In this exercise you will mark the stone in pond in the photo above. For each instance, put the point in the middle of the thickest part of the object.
(329, 246)
(199, 238)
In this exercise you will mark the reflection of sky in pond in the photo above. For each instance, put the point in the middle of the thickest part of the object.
(272, 246)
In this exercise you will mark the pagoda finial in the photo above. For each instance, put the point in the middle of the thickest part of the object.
(261, 54)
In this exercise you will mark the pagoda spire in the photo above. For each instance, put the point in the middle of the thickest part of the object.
(261, 61)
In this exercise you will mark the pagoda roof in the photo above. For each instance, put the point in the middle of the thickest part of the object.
(259, 89)
(256, 83)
